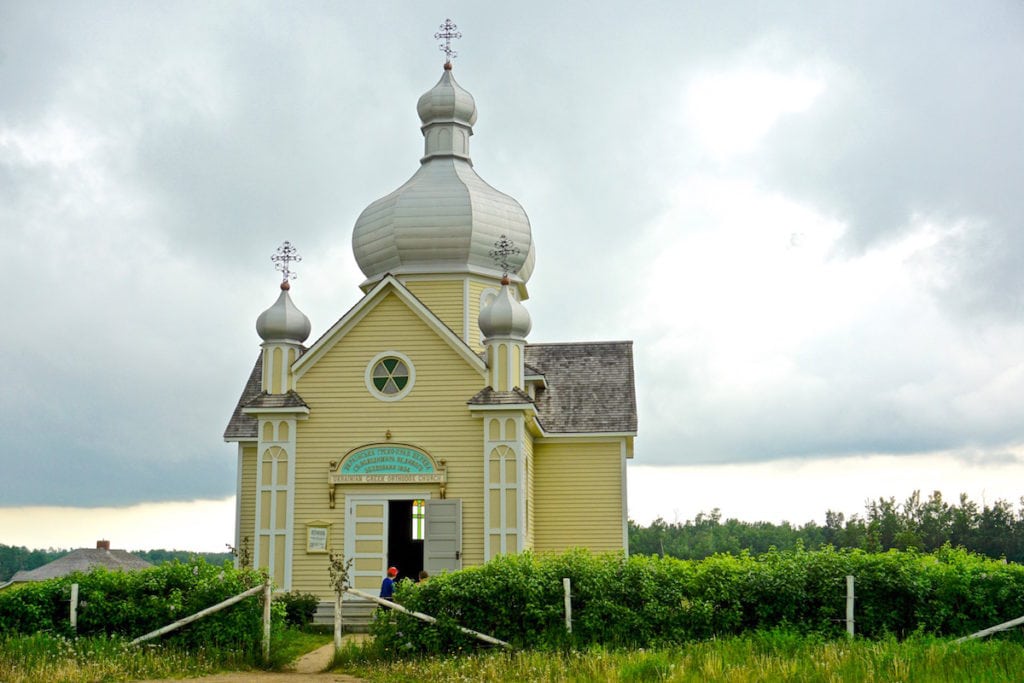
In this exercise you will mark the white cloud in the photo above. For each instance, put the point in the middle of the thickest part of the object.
(729, 112)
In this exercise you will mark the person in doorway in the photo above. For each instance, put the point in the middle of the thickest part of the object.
(387, 586)
(423, 576)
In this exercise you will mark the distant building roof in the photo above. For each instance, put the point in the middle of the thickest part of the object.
(82, 560)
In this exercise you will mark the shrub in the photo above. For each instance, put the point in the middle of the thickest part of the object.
(299, 607)
(130, 604)
(645, 601)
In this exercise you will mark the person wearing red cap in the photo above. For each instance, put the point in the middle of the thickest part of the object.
(387, 586)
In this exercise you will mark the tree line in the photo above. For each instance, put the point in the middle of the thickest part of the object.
(17, 558)
(995, 530)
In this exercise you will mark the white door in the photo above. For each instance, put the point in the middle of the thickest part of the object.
(442, 545)
(366, 537)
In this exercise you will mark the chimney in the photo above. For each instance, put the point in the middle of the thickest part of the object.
(102, 545)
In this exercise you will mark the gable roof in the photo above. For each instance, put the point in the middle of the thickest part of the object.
(388, 285)
(82, 560)
(589, 388)
(244, 427)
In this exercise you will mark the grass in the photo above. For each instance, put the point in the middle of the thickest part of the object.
(292, 643)
(55, 659)
(773, 656)
(44, 657)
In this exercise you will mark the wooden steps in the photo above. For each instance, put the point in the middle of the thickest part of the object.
(356, 614)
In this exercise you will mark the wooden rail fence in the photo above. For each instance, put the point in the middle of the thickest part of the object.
(255, 590)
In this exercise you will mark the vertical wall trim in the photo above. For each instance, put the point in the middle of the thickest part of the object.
(238, 504)
(625, 500)
(487, 488)
(466, 327)
(285, 369)
(521, 483)
(289, 522)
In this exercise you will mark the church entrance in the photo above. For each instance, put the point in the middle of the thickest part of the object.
(405, 537)
(411, 534)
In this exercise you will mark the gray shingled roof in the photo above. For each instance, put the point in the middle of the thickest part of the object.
(589, 386)
(589, 389)
(265, 400)
(82, 560)
(489, 397)
(242, 426)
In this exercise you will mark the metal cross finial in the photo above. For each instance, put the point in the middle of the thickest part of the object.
(503, 248)
(286, 253)
(447, 32)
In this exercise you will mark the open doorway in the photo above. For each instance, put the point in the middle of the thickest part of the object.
(406, 529)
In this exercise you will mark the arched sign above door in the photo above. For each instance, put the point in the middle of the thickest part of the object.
(386, 463)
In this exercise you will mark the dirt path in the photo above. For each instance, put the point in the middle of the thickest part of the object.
(306, 668)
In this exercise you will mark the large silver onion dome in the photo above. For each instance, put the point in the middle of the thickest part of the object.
(504, 316)
(283, 322)
(445, 219)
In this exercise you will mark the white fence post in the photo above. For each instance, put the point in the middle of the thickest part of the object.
(74, 607)
(849, 605)
(266, 620)
(566, 588)
(337, 622)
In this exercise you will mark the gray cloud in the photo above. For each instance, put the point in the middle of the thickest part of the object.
(922, 127)
(152, 158)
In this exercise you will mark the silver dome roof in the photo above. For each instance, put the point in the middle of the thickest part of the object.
(445, 219)
(283, 322)
(505, 316)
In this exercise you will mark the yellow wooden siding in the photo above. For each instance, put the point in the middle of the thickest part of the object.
(247, 502)
(444, 298)
(343, 415)
(476, 288)
(577, 496)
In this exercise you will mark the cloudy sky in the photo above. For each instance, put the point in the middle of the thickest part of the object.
(806, 215)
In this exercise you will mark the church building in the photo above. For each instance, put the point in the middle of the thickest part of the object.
(422, 430)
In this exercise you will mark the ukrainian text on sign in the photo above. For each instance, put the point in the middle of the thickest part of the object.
(384, 464)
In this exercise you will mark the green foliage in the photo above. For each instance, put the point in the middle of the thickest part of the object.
(645, 601)
(160, 556)
(996, 531)
(14, 559)
(299, 607)
(130, 604)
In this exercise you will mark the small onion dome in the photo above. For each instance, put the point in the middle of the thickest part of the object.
(447, 102)
(283, 322)
(504, 316)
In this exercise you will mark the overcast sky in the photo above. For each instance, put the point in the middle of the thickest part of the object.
(807, 216)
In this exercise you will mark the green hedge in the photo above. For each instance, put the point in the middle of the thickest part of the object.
(646, 600)
(131, 604)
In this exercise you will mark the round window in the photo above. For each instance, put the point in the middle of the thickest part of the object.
(390, 376)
